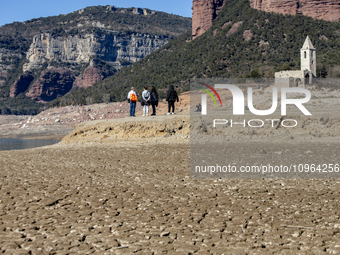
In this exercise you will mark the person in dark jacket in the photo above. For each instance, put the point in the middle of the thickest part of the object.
(171, 97)
(154, 100)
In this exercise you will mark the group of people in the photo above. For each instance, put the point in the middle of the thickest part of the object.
(151, 98)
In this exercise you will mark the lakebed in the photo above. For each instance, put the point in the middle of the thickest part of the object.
(124, 186)
(124, 195)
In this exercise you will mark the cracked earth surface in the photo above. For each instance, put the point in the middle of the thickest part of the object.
(138, 198)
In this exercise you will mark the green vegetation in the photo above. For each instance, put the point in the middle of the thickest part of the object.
(274, 46)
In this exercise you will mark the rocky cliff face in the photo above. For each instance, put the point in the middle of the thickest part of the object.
(318, 9)
(110, 47)
(203, 13)
(90, 76)
(117, 49)
(21, 84)
(53, 83)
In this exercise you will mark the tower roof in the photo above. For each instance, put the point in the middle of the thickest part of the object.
(308, 44)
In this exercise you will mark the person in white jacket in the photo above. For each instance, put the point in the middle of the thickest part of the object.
(145, 101)
(132, 97)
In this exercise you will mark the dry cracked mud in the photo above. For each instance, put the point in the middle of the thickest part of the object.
(138, 198)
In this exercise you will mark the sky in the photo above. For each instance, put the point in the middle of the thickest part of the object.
(22, 10)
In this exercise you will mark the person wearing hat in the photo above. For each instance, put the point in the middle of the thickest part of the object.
(132, 98)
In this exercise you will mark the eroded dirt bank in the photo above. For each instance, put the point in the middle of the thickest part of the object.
(140, 128)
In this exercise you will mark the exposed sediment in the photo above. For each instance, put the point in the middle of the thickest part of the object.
(137, 197)
(123, 186)
(137, 128)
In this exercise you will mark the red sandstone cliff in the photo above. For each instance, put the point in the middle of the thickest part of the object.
(21, 84)
(53, 83)
(91, 75)
(205, 11)
(317, 9)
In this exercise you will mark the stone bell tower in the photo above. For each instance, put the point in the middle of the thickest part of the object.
(306, 75)
(308, 57)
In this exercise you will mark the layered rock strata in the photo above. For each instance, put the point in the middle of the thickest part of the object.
(317, 9)
(205, 11)
(110, 47)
